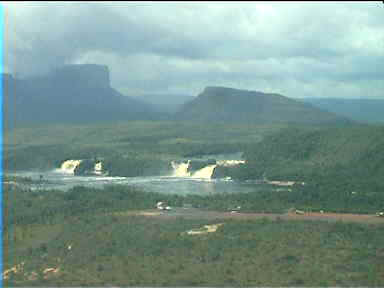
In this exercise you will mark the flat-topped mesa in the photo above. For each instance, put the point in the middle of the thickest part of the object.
(218, 89)
(230, 105)
(91, 75)
(224, 91)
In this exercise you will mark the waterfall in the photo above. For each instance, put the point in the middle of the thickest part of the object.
(69, 166)
(180, 169)
(99, 168)
(227, 163)
(204, 173)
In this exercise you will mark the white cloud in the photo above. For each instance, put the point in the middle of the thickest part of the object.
(300, 49)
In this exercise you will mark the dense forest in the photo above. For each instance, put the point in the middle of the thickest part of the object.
(85, 237)
(92, 237)
(333, 162)
(348, 158)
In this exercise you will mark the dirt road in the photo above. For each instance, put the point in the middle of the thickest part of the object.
(193, 213)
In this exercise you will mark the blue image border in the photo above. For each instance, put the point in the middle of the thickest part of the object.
(1, 136)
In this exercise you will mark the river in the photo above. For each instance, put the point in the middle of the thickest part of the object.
(56, 179)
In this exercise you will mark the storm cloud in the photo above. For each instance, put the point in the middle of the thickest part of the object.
(296, 49)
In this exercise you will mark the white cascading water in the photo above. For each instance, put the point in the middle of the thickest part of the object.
(69, 166)
(99, 168)
(204, 173)
(227, 163)
(180, 169)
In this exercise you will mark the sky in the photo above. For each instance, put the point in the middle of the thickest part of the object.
(297, 49)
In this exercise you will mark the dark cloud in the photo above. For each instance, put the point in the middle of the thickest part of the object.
(309, 49)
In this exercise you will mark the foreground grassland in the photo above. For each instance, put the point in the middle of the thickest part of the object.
(129, 250)
(88, 239)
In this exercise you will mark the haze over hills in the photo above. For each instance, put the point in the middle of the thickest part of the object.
(70, 94)
(83, 94)
(362, 110)
(221, 104)
(166, 102)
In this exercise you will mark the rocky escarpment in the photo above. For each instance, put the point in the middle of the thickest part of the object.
(70, 94)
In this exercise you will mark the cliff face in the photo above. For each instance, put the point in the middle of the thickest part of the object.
(70, 94)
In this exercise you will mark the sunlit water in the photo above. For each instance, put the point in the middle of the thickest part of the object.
(161, 184)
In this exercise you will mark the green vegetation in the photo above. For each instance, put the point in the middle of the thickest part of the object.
(78, 233)
(348, 157)
(129, 148)
(341, 167)
(93, 237)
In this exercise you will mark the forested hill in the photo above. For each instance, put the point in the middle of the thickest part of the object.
(348, 157)
(220, 104)
(70, 94)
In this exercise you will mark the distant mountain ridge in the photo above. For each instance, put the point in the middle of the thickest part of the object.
(83, 94)
(362, 110)
(70, 94)
(222, 104)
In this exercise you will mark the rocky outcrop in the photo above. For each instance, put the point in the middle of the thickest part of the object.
(233, 172)
(86, 167)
